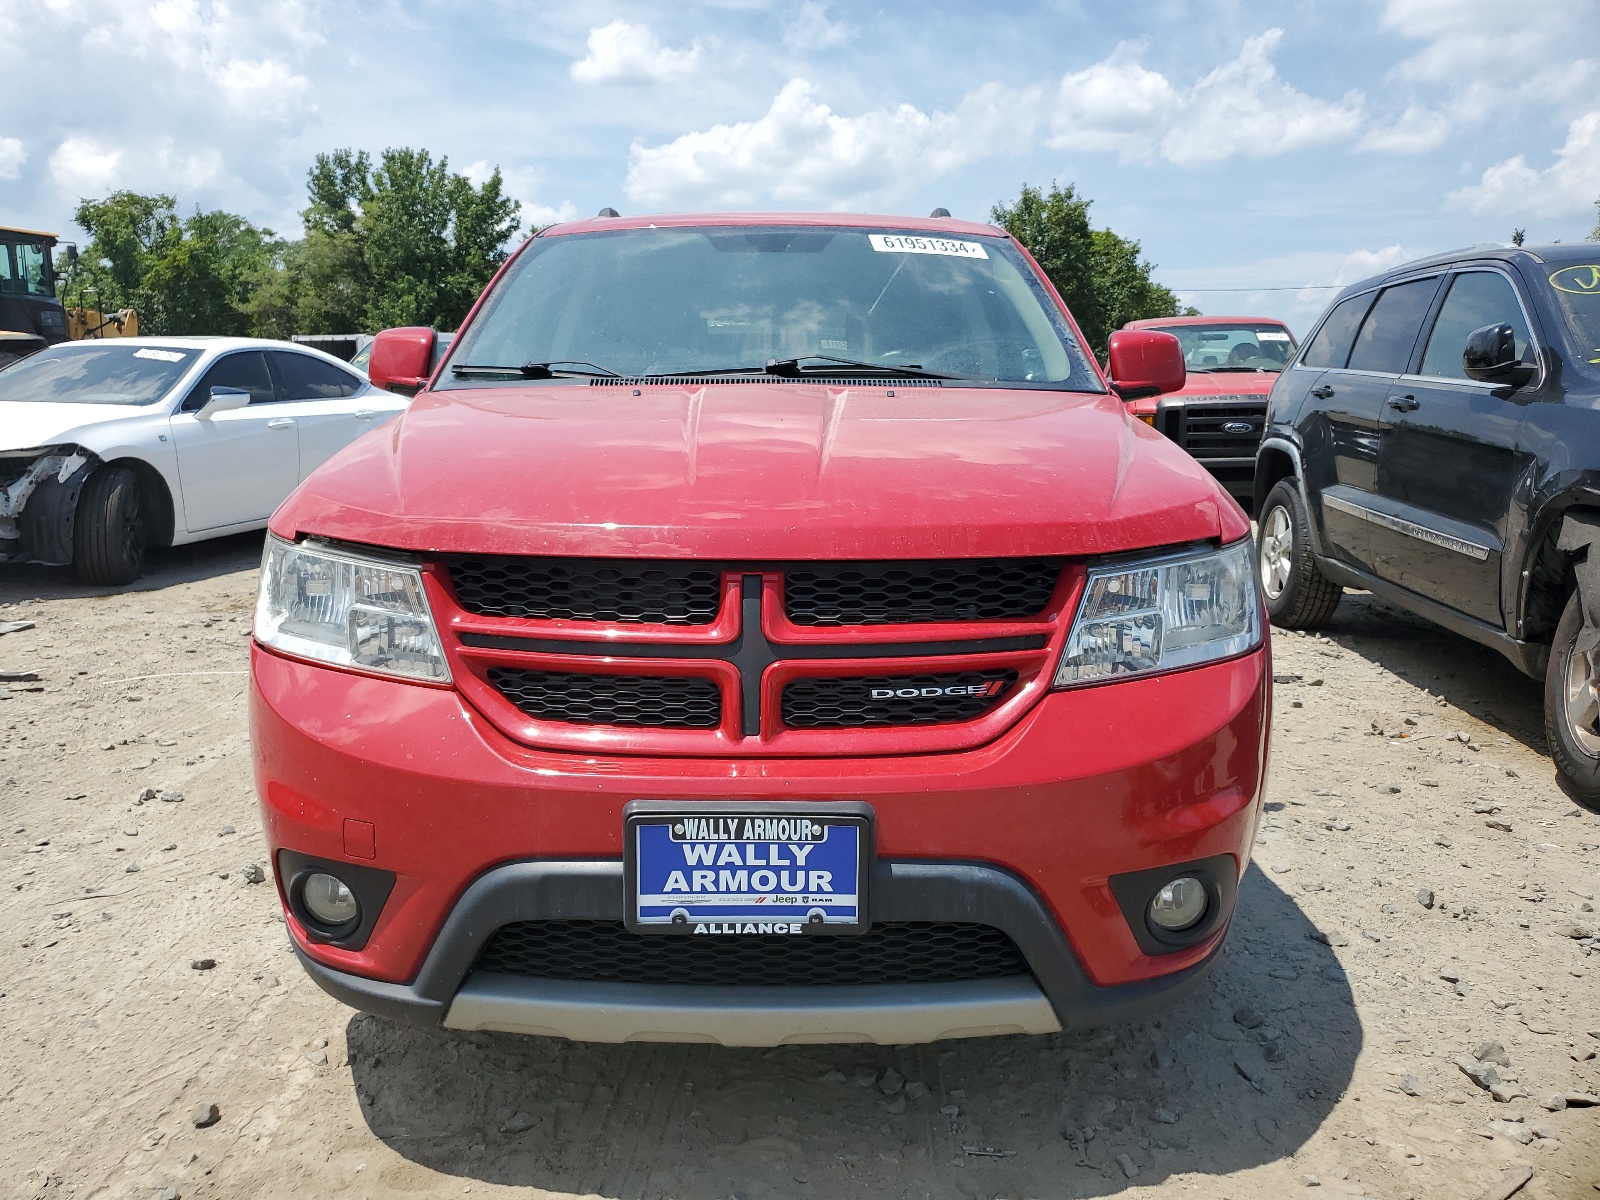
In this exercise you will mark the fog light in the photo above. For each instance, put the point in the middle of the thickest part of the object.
(328, 900)
(1179, 905)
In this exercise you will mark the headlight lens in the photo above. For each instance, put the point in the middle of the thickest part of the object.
(340, 608)
(1138, 617)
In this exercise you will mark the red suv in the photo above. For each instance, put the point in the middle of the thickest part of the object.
(1219, 413)
(750, 635)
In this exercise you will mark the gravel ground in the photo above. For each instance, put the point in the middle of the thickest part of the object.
(145, 978)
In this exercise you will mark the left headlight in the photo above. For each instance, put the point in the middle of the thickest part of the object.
(1158, 614)
(341, 608)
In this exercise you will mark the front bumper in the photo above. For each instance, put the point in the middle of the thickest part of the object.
(1024, 833)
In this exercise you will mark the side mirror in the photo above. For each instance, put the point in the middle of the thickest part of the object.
(1491, 357)
(1146, 362)
(223, 399)
(401, 359)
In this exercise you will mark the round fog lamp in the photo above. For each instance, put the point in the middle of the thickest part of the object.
(328, 900)
(1179, 905)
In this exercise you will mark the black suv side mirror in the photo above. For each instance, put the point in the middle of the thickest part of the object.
(1491, 357)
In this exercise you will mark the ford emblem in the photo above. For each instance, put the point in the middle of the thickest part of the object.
(1237, 427)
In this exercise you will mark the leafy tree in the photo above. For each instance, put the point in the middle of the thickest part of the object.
(1595, 236)
(192, 276)
(1098, 273)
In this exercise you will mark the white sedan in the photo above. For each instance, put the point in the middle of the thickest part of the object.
(110, 447)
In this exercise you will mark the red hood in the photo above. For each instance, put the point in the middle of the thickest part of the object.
(1228, 383)
(762, 472)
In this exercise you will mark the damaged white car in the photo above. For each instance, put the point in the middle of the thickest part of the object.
(110, 447)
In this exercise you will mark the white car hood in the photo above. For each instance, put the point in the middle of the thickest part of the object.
(25, 425)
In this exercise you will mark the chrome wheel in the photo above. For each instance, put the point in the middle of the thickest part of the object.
(1277, 551)
(1583, 702)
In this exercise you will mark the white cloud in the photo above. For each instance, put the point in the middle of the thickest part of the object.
(1415, 131)
(523, 185)
(1243, 107)
(12, 156)
(802, 152)
(1569, 185)
(83, 168)
(810, 29)
(266, 88)
(623, 53)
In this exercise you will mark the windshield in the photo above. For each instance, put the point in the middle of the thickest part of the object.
(95, 373)
(24, 270)
(1577, 296)
(1208, 348)
(658, 301)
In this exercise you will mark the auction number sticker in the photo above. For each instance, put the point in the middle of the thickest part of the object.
(1267, 335)
(160, 355)
(900, 243)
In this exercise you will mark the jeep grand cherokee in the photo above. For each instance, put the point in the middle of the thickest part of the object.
(750, 635)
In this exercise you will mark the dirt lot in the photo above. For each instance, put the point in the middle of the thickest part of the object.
(1321, 1052)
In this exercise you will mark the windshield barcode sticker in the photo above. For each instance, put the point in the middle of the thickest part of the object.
(160, 355)
(899, 243)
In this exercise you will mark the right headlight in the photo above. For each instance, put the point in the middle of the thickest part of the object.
(1137, 617)
(339, 607)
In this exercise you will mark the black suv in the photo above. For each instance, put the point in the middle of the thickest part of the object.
(1437, 442)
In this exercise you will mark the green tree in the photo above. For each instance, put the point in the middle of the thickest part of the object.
(197, 275)
(1595, 236)
(401, 242)
(1098, 273)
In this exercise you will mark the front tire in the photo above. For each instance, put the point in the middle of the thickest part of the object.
(110, 537)
(1572, 709)
(1297, 595)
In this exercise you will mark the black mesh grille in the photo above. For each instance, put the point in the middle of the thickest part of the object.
(658, 593)
(659, 703)
(902, 593)
(916, 699)
(895, 952)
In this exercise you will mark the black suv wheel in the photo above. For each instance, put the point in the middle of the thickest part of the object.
(109, 538)
(1298, 597)
(1572, 709)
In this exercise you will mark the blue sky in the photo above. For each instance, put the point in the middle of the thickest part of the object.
(1245, 145)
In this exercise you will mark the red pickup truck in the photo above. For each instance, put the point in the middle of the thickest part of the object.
(1219, 413)
(749, 635)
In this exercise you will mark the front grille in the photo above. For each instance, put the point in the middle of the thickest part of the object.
(575, 589)
(1199, 428)
(640, 700)
(904, 593)
(893, 952)
(915, 699)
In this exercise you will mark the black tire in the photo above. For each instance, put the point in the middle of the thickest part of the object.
(1304, 599)
(1571, 732)
(110, 537)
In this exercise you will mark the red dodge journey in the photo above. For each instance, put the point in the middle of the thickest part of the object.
(762, 629)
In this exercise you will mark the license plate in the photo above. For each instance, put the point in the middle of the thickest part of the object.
(741, 869)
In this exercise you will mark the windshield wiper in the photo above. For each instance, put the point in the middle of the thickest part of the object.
(536, 370)
(790, 368)
(1215, 370)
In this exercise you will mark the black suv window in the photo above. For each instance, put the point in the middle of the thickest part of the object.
(1390, 331)
(247, 371)
(307, 378)
(1476, 299)
(1331, 346)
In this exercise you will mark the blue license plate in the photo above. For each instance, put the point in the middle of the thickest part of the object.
(759, 869)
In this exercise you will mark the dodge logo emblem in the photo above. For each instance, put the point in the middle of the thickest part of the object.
(1237, 427)
(993, 688)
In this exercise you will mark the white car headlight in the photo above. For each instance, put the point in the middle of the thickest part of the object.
(336, 607)
(1163, 613)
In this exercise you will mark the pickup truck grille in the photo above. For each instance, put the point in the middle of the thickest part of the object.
(717, 659)
(893, 699)
(890, 952)
(1221, 433)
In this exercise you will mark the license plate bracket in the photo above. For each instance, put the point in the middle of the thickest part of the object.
(775, 867)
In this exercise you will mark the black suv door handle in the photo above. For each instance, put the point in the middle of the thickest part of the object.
(1405, 403)
(1323, 392)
